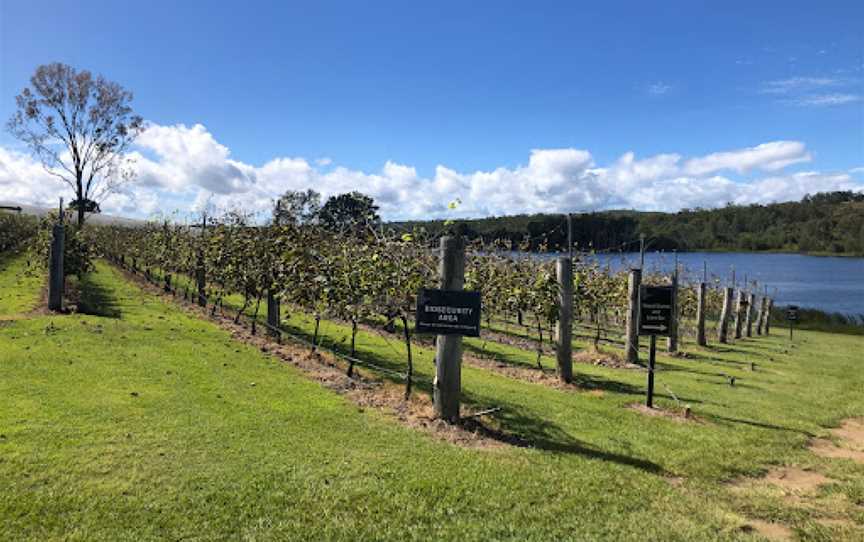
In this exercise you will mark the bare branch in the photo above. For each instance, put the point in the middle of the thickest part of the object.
(89, 117)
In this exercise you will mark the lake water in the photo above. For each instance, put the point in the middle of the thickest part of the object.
(827, 283)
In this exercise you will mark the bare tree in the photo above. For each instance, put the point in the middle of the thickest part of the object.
(79, 126)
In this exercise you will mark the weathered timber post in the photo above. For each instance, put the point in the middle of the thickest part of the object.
(274, 316)
(201, 282)
(672, 339)
(768, 306)
(760, 315)
(56, 274)
(739, 303)
(700, 315)
(723, 328)
(751, 300)
(631, 344)
(447, 387)
(564, 327)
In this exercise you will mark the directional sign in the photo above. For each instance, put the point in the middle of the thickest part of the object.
(448, 312)
(655, 310)
(792, 313)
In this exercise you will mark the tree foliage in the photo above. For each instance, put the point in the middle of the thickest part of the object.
(79, 126)
(352, 212)
(827, 222)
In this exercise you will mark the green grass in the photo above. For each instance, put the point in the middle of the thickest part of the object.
(139, 422)
(17, 285)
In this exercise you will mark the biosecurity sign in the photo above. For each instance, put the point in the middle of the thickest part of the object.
(448, 312)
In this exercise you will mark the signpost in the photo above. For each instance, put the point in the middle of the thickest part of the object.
(655, 318)
(448, 312)
(791, 317)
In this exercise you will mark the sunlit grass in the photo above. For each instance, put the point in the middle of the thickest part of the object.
(147, 423)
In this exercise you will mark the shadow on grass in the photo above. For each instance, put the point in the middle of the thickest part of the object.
(96, 300)
(517, 427)
(753, 423)
(698, 356)
(510, 358)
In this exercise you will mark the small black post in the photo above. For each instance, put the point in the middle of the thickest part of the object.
(791, 323)
(651, 353)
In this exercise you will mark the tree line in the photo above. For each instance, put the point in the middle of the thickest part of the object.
(831, 222)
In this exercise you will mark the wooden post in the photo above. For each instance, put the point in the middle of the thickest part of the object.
(201, 281)
(641, 253)
(768, 306)
(760, 315)
(631, 344)
(751, 300)
(274, 316)
(739, 302)
(652, 354)
(56, 275)
(700, 315)
(447, 387)
(564, 327)
(672, 339)
(723, 328)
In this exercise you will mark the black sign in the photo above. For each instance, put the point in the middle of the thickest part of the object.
(448, 312)
(792, 313)
(655, 310)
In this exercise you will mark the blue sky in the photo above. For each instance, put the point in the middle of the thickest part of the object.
(472, 86)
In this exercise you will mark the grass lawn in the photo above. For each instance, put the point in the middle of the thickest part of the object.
(19, 290)
(140, 422)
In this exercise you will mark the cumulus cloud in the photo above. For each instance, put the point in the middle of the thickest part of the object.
(186, 168)
(767, 157)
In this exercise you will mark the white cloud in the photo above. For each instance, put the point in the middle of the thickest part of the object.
(24, 181)
(797, 84)
(659, 88)
(812, 91)
(186, 168)
(822, 100)
(767, 157)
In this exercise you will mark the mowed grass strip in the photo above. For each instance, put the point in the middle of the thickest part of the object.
(149, 424)
(19, 285)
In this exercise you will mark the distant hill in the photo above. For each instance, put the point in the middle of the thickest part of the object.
(100, 219)
(830, 222)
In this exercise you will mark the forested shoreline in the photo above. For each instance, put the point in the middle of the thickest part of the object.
(824, 223)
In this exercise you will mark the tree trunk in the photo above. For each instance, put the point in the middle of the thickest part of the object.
(255, 315)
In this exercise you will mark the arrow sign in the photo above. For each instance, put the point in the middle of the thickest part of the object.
(655, 309)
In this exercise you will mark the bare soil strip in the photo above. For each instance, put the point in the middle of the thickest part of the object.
(769, 530)
(847, 442)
